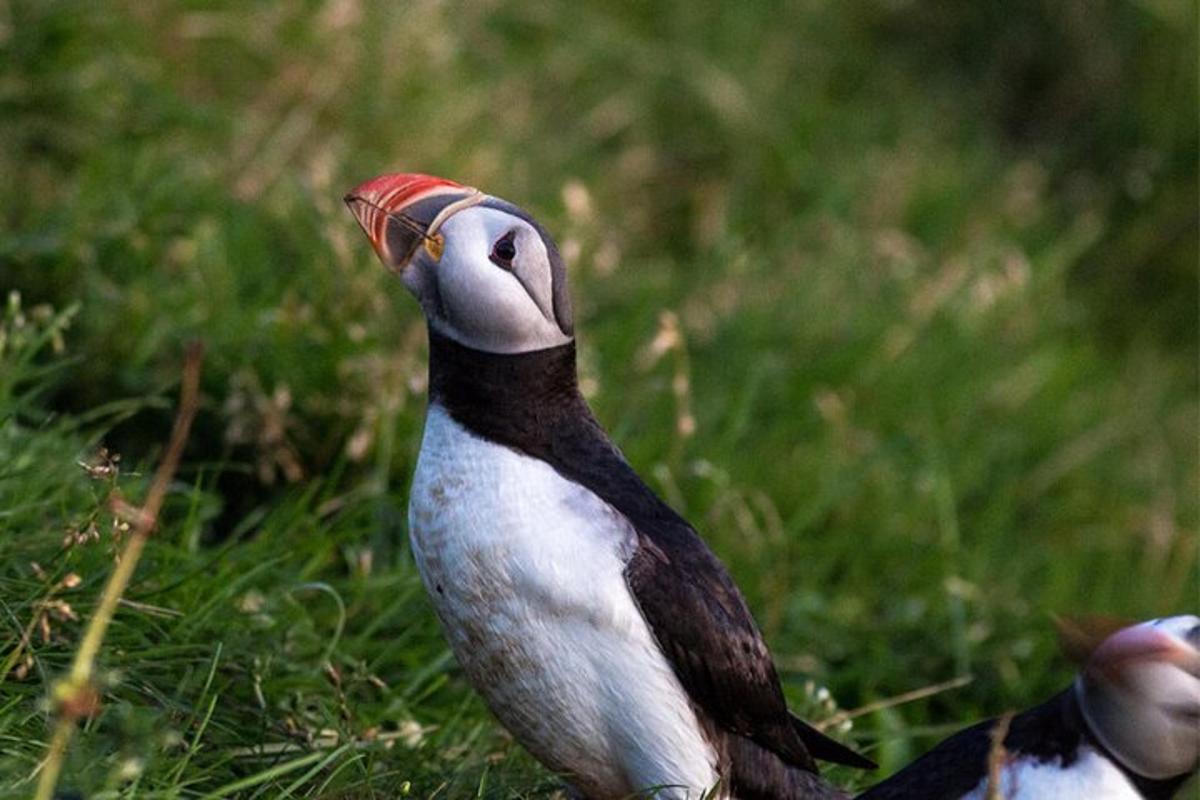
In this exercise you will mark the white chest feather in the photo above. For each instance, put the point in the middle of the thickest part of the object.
(525, 570)
(1091, 776)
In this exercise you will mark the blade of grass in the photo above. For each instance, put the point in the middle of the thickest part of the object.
(212, 704)
(277, 771)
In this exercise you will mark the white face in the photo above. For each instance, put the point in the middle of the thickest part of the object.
(492, 289)
(1140, 692)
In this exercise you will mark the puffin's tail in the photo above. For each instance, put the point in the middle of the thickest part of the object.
(823, 748)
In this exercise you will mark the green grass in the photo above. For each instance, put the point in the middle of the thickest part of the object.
(933, 280)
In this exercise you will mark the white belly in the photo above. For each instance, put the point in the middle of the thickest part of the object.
(525, 570)
(1091, 776)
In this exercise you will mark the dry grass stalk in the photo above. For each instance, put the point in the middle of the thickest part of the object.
(889, 702)
(19, 661)
(76, 696)
(996, 757)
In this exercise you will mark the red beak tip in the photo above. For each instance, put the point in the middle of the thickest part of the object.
(394, 191)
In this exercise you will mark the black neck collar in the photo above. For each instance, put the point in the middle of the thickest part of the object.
(530, 402)
(513, 399)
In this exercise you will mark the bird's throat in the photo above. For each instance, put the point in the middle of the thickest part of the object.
(515, 399)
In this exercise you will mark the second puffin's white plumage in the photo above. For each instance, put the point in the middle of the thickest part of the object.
(1091, 777)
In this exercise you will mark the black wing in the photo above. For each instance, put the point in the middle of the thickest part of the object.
(707, 632)
(695, 611)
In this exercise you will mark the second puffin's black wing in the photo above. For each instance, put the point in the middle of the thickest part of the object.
(948, 772)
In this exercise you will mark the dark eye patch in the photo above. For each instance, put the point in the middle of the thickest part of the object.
(504, 251)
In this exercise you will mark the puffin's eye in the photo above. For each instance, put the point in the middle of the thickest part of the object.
(504, 251)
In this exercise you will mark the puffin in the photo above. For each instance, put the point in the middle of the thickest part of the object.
(594, 621)
(1127, 728)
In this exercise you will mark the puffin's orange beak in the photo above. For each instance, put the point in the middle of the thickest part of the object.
(401, 212)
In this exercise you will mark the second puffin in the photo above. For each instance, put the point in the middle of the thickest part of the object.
(598, 626)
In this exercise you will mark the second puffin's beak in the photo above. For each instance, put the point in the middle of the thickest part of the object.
(402, 213)
(1142, 643)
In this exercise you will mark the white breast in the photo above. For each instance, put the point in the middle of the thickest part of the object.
(525, 570)
(1091, 776)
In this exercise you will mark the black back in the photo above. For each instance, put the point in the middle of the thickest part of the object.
(530, 402)
(1051, 732)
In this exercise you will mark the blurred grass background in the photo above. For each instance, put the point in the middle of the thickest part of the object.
(896, 301)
